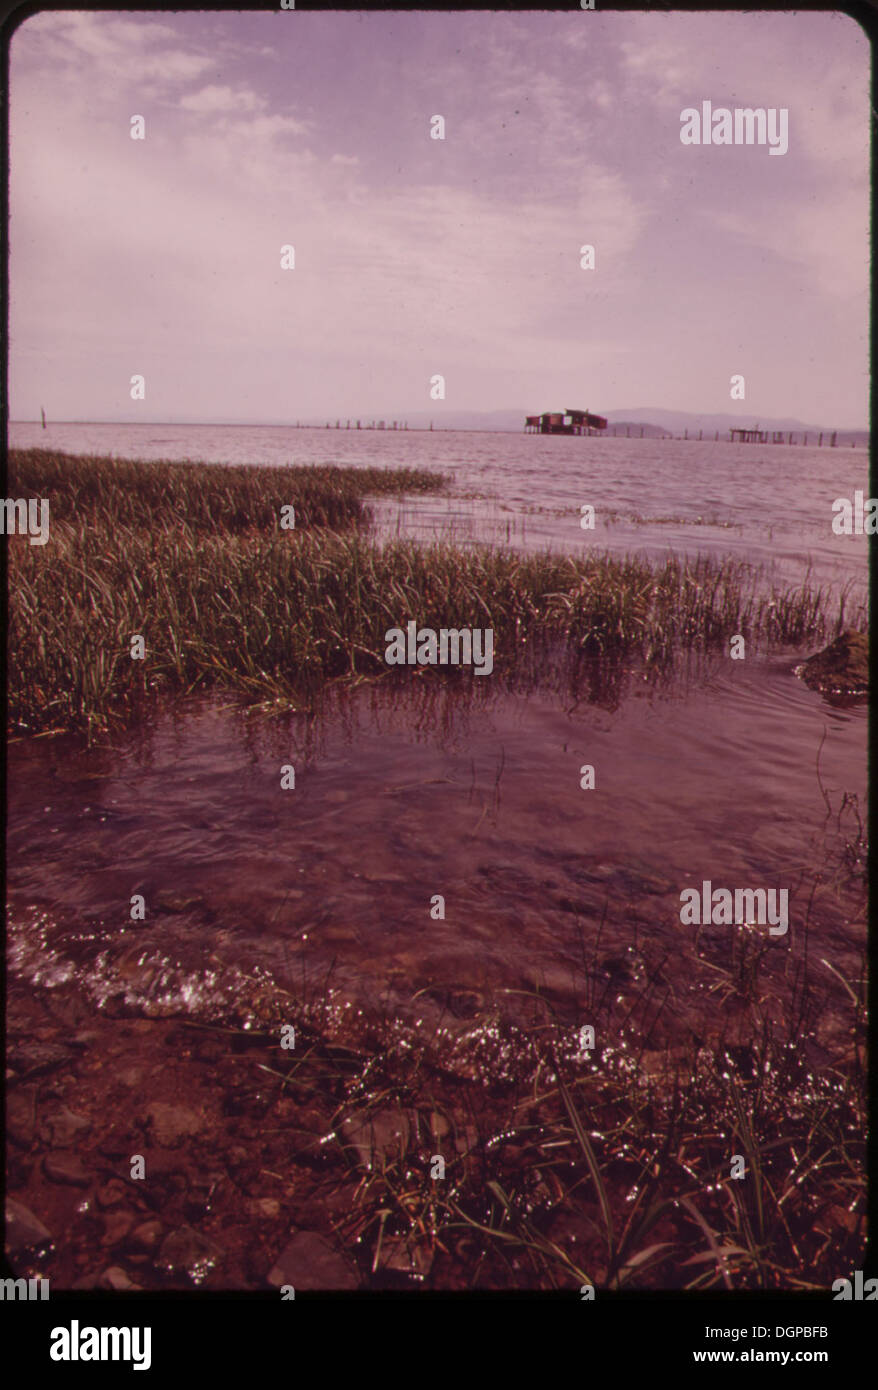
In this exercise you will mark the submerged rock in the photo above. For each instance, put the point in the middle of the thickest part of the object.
(186, 1250)
(173, 1124)
(842, 668)
(23, 1229)
(310, 1262)
(67, 1167)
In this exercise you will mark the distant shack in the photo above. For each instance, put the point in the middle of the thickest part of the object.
(570, 422)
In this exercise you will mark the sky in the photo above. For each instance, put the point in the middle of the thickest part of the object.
(417, 257)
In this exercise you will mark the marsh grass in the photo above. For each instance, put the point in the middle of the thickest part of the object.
(218, 499)
(193, 559)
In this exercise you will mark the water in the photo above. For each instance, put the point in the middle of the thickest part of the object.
(725, 774)
(768, 504)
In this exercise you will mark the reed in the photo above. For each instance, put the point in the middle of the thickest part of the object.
(193, 559)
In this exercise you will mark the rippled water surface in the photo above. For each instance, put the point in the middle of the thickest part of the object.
(728, 773)
(770, 504)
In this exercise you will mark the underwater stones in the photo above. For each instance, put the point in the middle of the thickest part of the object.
(842, 668)
(63, 1126)
(66, 1168)
(187, 1251)
(21, 1122)
(24, 1231)
(171, 1124)
(308, 1261)
(117, 1280)
(385, 1132)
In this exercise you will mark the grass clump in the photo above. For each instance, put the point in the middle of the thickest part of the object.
(194, 561)
(230, 499)
(615, 1170)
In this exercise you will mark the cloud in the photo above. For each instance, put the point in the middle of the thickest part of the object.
(414, 256)
(213, 99)
(121, 51)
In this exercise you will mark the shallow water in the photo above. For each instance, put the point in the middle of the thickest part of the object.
(403, 796)
(399, 799)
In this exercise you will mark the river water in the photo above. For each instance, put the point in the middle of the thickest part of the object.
(733, 772)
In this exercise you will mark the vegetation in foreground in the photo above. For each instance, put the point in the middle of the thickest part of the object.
(194, 560)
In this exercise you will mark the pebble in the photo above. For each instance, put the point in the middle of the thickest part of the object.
(309, 1262)
(384, 1131)
(62, 1127)
(37, 1057)
(66, 1168)
(264, 1208)
(187, 1251)
(21, 1115)
(112, 1194)
(414, 1260)
(117, 1224)
(23, 1229)
(172, 1124)
(117, 1279)
(146, 1236)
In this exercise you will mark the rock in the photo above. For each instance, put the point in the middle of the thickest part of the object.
(842, 668)
(309, 1262)
(264, 1208)
(439, 1126)
(168, 1167)
(414, 1260)
(21, 1115)
(117, 1145)
(187, 1251)
(23, 1229)
(172, 1124)
(32, 1057)
(62, 1127)
(117, 1224)
(66, 1167)
(111, 1194)
(117, 1279)
(146, 1236)
(383, 1132)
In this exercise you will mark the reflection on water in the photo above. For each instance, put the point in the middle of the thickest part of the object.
(398, 799)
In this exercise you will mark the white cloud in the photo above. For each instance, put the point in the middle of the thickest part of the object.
(214, 99)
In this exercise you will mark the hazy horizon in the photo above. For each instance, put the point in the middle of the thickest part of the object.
(416, 256)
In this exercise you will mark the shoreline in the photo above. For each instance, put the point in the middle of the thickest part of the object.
(316, 1165)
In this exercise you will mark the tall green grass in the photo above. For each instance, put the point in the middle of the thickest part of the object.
(227, 498)
(193, 560)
